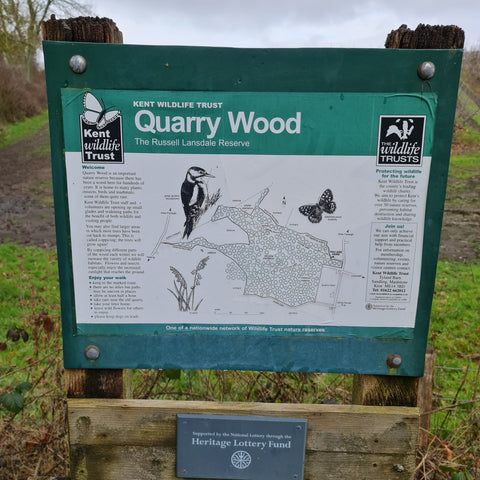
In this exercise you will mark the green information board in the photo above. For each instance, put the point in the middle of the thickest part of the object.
(248, 208)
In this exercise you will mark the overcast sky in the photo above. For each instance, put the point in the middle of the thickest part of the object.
(282, 23)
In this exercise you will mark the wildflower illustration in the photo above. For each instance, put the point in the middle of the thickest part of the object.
(184, 294)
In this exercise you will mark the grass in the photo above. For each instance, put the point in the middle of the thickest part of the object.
(468, 137)
(464, 166)
(28, 286)
(454, 326)
(32, 411)
(13, 133)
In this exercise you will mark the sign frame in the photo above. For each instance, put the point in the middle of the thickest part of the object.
(252, 70)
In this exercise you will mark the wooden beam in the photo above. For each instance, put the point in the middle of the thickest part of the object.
(136, 439)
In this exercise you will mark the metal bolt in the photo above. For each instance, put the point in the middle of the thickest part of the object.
(394, 361)
(92, 352)
(426, 70)
(399, 468)
(78, 64)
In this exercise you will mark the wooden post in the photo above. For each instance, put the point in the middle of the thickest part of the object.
(426, 36)
(81, 29)
(425, 395)
(383, 390)
(394, 390)
(96, 382)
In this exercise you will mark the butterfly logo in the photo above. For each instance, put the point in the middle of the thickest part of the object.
(314, 211)
(95, 112)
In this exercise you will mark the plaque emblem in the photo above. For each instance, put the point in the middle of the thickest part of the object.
(400, 140)
(101, 132)
(241, 459)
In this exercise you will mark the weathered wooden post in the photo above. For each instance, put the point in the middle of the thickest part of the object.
(81, 29)
(393, 390)
(90, 383)
(425, 398)
(279, 264)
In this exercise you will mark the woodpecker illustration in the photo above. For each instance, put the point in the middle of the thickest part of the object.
(193, 194)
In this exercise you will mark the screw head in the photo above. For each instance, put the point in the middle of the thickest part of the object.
(92, 352)
(426, 70)
(394, 361)
(78, 64)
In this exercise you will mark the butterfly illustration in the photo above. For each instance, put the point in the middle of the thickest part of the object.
(95, 112)
(314, 211)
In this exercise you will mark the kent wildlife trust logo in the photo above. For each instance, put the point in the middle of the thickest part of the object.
(101, 132)
(400, 140)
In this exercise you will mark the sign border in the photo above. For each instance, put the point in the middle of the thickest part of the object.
(256, 70)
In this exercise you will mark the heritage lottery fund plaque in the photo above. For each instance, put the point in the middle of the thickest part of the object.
(236, 447)
(247, 213)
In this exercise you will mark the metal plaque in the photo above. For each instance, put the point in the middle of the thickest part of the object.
(236, 447)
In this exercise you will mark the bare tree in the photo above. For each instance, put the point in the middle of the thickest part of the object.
(20, 27)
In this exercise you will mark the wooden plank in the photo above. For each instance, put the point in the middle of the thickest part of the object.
(136, 439)
(100, 422)
(153, 463)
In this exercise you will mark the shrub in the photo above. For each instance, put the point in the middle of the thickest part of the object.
(19, 98)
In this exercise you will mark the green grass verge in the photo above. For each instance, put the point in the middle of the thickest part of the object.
(467, 136)
(463, 189)
(13, 133)
(28, 286)
(455, 335)
(464, 166)
(454, 323)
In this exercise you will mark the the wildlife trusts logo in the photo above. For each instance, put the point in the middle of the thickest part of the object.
(101, 132)
(400, 140)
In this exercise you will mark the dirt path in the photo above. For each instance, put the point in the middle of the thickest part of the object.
(26, 198)
(27, 215)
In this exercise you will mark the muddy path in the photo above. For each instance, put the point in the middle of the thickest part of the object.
(26, 197)
(27, 213)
